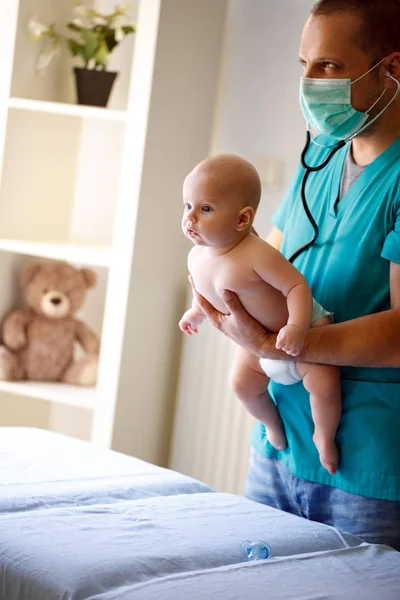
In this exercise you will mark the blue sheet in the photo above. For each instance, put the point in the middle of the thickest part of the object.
(40, 469)
(367, 572)
(76, 552)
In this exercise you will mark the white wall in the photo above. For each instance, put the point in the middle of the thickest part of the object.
(258, 114)
(258, 117)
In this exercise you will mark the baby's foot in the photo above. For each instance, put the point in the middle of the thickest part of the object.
(328, 452)
(276, 436)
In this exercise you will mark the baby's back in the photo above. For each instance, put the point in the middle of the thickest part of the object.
(235, 271)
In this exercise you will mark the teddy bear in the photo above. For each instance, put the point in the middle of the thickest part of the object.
(39, 340)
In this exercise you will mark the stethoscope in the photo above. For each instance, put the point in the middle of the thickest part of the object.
(308, 169)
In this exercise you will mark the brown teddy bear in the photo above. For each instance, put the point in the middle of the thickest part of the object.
(38, 341)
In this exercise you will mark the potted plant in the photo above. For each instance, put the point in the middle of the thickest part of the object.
(92, 38)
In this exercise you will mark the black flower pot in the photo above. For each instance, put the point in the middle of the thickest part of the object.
(94, 87)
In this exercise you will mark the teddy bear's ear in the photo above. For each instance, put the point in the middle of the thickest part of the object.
(90, 277)
(28, 274)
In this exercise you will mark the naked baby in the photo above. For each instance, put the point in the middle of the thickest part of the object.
(221, 196)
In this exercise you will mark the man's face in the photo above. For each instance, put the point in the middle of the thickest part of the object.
(329, 49)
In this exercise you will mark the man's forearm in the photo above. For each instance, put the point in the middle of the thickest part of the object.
(371, 341)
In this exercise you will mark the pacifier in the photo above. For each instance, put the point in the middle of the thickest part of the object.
(258, 550)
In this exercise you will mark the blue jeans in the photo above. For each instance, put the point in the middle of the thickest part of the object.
(270, 482)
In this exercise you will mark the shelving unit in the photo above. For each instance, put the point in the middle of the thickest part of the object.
(72, 110)
(102, 188)
(86, 254)
(60, 394)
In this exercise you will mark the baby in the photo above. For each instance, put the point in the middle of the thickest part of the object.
(221, 196)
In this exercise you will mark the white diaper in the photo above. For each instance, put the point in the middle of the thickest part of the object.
(280, 371)
(284, 371)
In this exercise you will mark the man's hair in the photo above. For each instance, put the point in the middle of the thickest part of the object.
(379, 33)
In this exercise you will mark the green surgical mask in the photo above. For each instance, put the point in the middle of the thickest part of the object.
(326, 106)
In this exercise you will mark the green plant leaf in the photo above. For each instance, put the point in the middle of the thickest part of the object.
(109, 38)
(91, 42)
(74, 27)
(75, 48)
(101, 55)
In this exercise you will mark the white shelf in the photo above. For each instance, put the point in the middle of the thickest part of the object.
(82, 397)
(90, 255)
(72, 110)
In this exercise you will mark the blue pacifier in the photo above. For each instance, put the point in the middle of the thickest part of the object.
(255, 550)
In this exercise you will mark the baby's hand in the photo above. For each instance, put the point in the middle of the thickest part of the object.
(291, 339)
(189, 322)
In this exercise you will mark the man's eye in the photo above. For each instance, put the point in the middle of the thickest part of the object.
(206, 209)
(329, 65)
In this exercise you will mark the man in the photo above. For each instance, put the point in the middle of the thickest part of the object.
(353, 268)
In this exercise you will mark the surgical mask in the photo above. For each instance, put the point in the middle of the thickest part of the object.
(326, 106)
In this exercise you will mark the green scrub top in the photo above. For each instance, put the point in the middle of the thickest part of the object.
(348, 271)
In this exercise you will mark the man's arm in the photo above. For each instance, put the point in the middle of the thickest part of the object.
(274, 238)
(370, 341)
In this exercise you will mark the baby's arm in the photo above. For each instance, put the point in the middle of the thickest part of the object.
(192, 319)
(194, 316)
(278, 272)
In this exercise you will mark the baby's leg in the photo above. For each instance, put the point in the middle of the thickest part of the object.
(249, 383)
(323, 384)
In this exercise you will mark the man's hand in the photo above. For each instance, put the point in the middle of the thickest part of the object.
(238, 325)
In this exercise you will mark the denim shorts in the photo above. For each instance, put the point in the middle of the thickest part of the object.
(270, 482)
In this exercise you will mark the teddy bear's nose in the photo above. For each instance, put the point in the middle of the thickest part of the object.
(56, 301)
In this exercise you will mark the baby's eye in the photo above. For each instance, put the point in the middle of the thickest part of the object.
(187, 206)
(206, 209)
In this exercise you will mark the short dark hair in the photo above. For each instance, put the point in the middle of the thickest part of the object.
(379, 34)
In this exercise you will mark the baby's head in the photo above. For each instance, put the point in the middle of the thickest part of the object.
(220, 196)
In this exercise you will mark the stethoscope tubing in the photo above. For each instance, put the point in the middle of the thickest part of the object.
(308, 169)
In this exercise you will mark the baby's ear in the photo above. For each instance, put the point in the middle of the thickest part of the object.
(245, 218)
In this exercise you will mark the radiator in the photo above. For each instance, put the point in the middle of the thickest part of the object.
(212, 430)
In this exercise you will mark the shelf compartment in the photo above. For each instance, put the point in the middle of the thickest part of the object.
(72, 110)
(59, 393)
(83, 254)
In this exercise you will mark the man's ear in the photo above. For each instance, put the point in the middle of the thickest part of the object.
(393, 69)
(245, 218)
